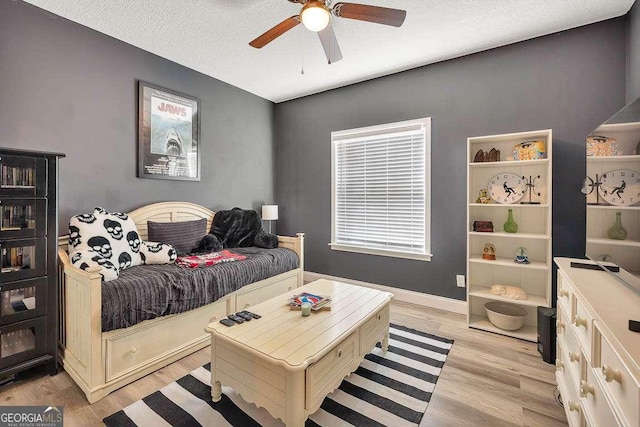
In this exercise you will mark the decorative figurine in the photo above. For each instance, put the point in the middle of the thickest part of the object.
(589, 186)
(531, 184)
(522, 256)
(489, 252)
(483, 196)
(483, 156)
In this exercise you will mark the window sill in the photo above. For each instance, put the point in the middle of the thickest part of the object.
(381, 252)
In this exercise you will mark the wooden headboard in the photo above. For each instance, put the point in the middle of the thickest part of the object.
(169, 212)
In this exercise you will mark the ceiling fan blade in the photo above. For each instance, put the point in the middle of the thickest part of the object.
(363, 12)
(330, 44)
(275, 32)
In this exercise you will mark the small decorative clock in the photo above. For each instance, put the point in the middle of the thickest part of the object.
(620, 187)
(507, 187)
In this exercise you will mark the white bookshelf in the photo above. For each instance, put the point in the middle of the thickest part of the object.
(600, 217)
(534, 233)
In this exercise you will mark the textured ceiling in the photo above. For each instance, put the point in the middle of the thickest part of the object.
(212, 36)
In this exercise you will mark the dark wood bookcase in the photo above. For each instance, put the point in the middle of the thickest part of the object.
(28, 261)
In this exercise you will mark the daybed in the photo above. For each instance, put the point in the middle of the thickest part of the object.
(101, 362)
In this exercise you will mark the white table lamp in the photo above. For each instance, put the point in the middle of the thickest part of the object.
(270, 213)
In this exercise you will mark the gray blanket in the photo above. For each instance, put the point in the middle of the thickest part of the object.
(148, 291)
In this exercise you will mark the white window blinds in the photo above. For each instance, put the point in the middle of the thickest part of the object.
(380, 189)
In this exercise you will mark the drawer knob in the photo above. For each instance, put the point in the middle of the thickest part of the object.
(563, 293)
(579, 321)
(611, 374)
(586, 388)
(559, 365)
(247, 305)
(134, 350)
(560, 327)
(574, 357)
(213, 319)
(289, 288)
(339, 353)
(573, 406)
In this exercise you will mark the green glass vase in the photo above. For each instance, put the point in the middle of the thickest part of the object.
(510, 226)
(617, 231)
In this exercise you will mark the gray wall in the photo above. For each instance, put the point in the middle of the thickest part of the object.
(549, 82)
(71, 89)
(633, 52)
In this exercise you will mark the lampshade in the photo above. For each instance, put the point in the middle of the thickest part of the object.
(269, 212)
(315, 16)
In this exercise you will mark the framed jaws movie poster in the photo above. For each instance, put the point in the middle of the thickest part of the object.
(168, 134)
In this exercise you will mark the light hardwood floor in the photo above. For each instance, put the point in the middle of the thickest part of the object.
(487, 380)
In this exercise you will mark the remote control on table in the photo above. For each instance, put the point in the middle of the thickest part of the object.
(235, 318)
(227, 322)
(245, 316)
(255, 316)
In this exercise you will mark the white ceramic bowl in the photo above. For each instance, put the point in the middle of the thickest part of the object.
(505, 316)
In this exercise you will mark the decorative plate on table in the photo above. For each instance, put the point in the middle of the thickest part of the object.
(507, 187)
(620, 187)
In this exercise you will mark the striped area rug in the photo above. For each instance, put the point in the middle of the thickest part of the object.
(387, 389)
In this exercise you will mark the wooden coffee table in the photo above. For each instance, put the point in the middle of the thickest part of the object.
(287, 363)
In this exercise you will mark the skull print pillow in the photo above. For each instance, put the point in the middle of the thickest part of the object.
(157, 253)
(114, 236)
(85, 259)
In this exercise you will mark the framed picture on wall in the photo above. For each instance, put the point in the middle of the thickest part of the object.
(168, 134)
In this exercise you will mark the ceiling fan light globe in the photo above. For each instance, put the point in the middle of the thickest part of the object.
(315, 16)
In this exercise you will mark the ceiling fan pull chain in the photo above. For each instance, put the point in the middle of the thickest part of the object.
(302, 50)
(330, 46)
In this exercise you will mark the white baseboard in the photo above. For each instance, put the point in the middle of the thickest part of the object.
(426, 300)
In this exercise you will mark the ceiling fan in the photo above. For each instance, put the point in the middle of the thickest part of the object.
(316, 14)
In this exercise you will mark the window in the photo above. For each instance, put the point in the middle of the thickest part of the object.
(381, 190)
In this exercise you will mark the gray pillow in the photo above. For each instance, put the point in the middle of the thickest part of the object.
(184, 236)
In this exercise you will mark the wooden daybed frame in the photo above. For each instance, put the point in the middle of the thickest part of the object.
(101, 362)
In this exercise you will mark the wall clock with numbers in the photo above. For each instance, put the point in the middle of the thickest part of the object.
(507, 187)
(620, 187)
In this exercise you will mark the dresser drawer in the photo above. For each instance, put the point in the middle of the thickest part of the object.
(565, 293)
(597, 408)
(571, 348)
(263, 293)
(569, 392)
(326, 374)
(374, 330)
(623, 390)
(126, 352)
(582, 326)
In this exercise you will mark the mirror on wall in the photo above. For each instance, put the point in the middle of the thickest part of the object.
(612, 189)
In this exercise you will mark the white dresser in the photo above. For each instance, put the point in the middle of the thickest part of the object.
(598, 357)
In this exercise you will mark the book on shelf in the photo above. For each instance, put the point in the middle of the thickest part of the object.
(318, 302)
(15, 176)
